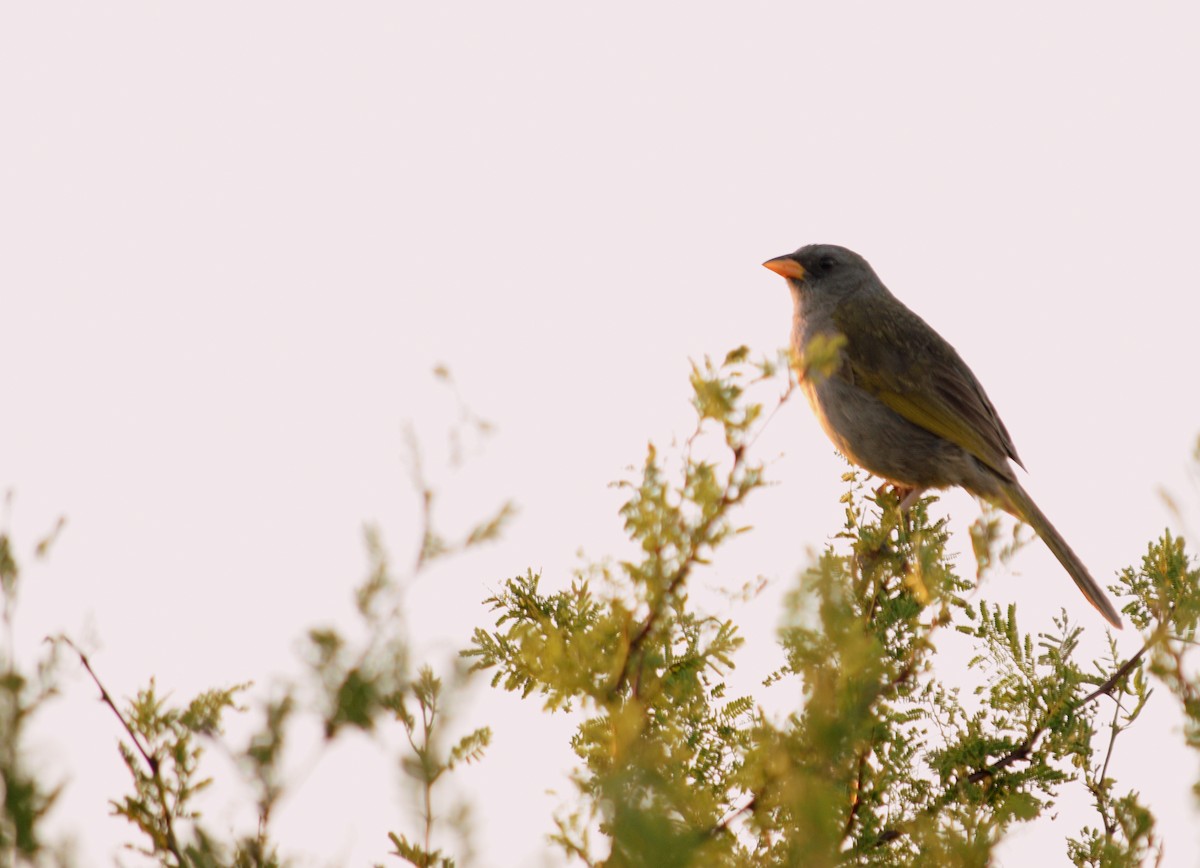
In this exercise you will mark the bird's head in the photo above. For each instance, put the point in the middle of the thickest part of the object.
(824, 271)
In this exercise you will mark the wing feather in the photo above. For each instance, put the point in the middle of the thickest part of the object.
(914, 371)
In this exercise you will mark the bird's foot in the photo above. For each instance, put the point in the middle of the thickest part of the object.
(907, 495)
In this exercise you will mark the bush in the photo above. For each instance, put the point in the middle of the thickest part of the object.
(883, 763)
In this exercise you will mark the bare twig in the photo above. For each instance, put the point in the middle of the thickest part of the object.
(1020, 752)
(1098, 787)
(728, 819)
(1107, 687)
(151, 761)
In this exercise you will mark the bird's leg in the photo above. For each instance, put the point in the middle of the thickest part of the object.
(910, 496)
(906, 494)
(900, 519)
(905, 497)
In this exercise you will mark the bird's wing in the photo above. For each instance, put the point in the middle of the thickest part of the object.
(912, 370)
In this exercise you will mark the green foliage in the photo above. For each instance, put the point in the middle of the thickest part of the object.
(883, 763)
(823, 356)
(357, 680)
(23, 692)
(427, 764)
(164, 764)
(887, 759)
(662, 741)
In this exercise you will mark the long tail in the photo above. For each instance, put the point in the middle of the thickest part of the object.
(1025, 509)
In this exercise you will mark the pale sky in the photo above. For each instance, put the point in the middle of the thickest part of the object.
(236, 237)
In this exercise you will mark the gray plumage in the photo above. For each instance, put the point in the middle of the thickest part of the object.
(902, 403)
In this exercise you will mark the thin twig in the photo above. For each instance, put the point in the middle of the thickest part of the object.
(728, 819)
(698, 537)
(1023, 750)
(787, 393)
(1098, 792)
(1112, 739)
(855, 794)
(1126, 667)
(151, 761)
(1020, 752)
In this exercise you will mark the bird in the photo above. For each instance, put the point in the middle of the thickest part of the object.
(901, 403)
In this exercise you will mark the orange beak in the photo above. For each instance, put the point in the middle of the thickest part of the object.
(785, 266)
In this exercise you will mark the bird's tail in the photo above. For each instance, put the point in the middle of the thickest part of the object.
(1023, 507)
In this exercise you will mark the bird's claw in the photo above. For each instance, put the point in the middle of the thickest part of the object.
(906, 495)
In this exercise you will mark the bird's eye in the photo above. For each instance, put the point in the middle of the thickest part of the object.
(826, 263)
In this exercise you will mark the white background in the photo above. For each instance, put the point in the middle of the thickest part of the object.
(236, 237)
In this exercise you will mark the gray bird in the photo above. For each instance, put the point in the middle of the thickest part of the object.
(902, 404)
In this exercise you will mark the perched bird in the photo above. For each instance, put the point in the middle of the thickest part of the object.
(901, 403)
